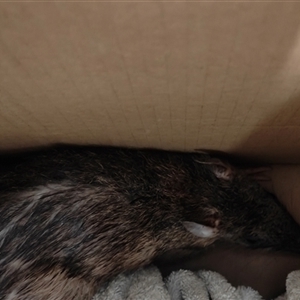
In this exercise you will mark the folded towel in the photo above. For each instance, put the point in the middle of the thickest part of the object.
(148, 284)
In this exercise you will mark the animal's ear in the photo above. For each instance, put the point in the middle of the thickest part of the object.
(200, 230)
(219, 168)
(222, 170)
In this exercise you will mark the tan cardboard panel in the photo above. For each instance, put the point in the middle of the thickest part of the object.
(173, 75)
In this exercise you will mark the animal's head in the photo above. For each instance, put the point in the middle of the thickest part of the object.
(235, 207)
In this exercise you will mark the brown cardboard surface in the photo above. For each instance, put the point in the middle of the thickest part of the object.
(173, 75)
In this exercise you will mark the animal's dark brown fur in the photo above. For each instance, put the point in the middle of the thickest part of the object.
(72, 217)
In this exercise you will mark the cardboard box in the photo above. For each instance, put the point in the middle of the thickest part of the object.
(184, 75)
(171, 75)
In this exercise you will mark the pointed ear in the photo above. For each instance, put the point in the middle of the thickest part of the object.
(222, 171)
(199, 230)
(219, 168)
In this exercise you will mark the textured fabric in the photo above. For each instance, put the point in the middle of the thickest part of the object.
(293, 286)
(147, 283)
(185, 285)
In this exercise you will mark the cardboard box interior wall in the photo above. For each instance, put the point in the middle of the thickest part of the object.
(171, 75)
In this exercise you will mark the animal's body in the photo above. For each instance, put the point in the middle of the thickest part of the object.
(73, 217)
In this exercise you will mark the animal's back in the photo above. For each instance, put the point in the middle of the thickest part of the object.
(84, 164)
(69, 212)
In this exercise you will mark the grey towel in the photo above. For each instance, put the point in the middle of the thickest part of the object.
(148, 284)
